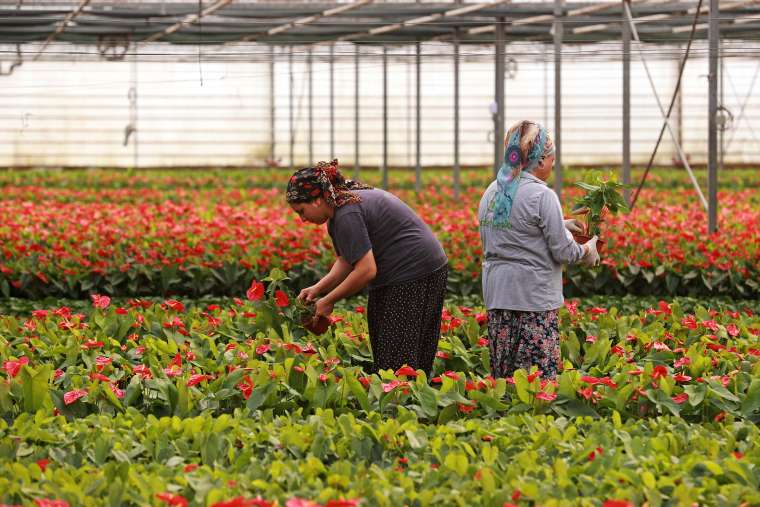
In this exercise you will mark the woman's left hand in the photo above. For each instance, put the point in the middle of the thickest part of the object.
(323, 308)
(574, 225)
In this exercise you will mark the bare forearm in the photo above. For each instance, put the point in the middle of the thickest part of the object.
(353, 283)
(339, 271)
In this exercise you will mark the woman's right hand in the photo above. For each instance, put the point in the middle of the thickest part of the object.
(591, 258)
(309, 294)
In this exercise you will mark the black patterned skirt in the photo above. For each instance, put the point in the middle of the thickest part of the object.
(405, 322)
(523, 339)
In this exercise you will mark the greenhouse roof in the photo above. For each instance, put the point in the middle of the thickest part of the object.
(362, 21)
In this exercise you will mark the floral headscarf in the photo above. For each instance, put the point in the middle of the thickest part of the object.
(326, 181)
(525, 145)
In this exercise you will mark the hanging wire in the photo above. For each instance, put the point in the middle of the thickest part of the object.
(670, 108)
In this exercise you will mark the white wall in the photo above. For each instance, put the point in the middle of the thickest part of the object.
(71, 109)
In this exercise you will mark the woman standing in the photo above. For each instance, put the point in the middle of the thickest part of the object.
(381, 243)
(525, 243)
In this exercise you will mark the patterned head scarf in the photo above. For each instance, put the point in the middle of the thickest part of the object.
(525, 145)
(326, 181)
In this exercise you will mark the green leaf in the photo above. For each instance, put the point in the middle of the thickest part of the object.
(751, 401)
(259, 395)
(35, 388)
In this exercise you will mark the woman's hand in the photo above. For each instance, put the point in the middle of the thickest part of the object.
(591, 257)
(323, 308)
(308, 294)
(574, 225)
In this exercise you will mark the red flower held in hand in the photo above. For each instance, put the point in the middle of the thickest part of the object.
(171, 499)
(100, 302)
(255, 292)
(72, 396)
(281, 299)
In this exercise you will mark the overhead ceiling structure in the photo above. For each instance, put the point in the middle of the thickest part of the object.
(361, 21)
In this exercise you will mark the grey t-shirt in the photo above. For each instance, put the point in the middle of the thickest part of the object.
(522, 265)
(403, 245)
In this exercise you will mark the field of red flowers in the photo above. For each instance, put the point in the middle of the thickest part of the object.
(178, 372)
(128, 238)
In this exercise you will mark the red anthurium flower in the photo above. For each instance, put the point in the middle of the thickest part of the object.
(262, 349)
(197, 379)
(13, 367)
(103, 361)
(116, 391)
(365, 381)
(481, 318)
(360, 309)
(100, 302)
(39, 314)
(617, 503)
(43, 463)
(516, 494)
(255, 292)
(466, 408)
(281, 299)
(591, 339)
(92, 344)
(72, 396)
(452, 375)
(598, 311)
(246, 387)
(175, 305)
(738, 454)
(681, 378)
(483, 342)
(660, 347)
(689, 322)
(99, 376)
(533, 376)
(546, 396)
(243, 502)
(300, 502)
(680, 398)
(441, 355)
(121, 311)
(171, 499)
(406, 371)
(44, 502)
(393, 384)
(659, 371)
(343, 503)
(58, 373)
(681, 361)
(142, 370)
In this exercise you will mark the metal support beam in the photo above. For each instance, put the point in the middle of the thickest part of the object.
(61, 27)
(558, 11)
(457, 184)
(712, 126)
(272, 108)
(418, 121)
(626, 176)
(498, 114)
(188, 20)
(307, 20)
(310, 70)
(385, 119)
(290, 108)
(332, 102)
(356, 112)
(459, 11)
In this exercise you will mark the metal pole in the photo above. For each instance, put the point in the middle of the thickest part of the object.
(311, 106)
(290, 108)
(721, 102)
(384, 166)
(558, 10)
(626, 107)
(356, 112)
(456, 114)
(712, 137)
(332, 101)
(272, 109)
(498, 127)
(418, 126)
(679, 117)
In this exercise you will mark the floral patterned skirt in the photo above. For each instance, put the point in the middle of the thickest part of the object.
(523, 339)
